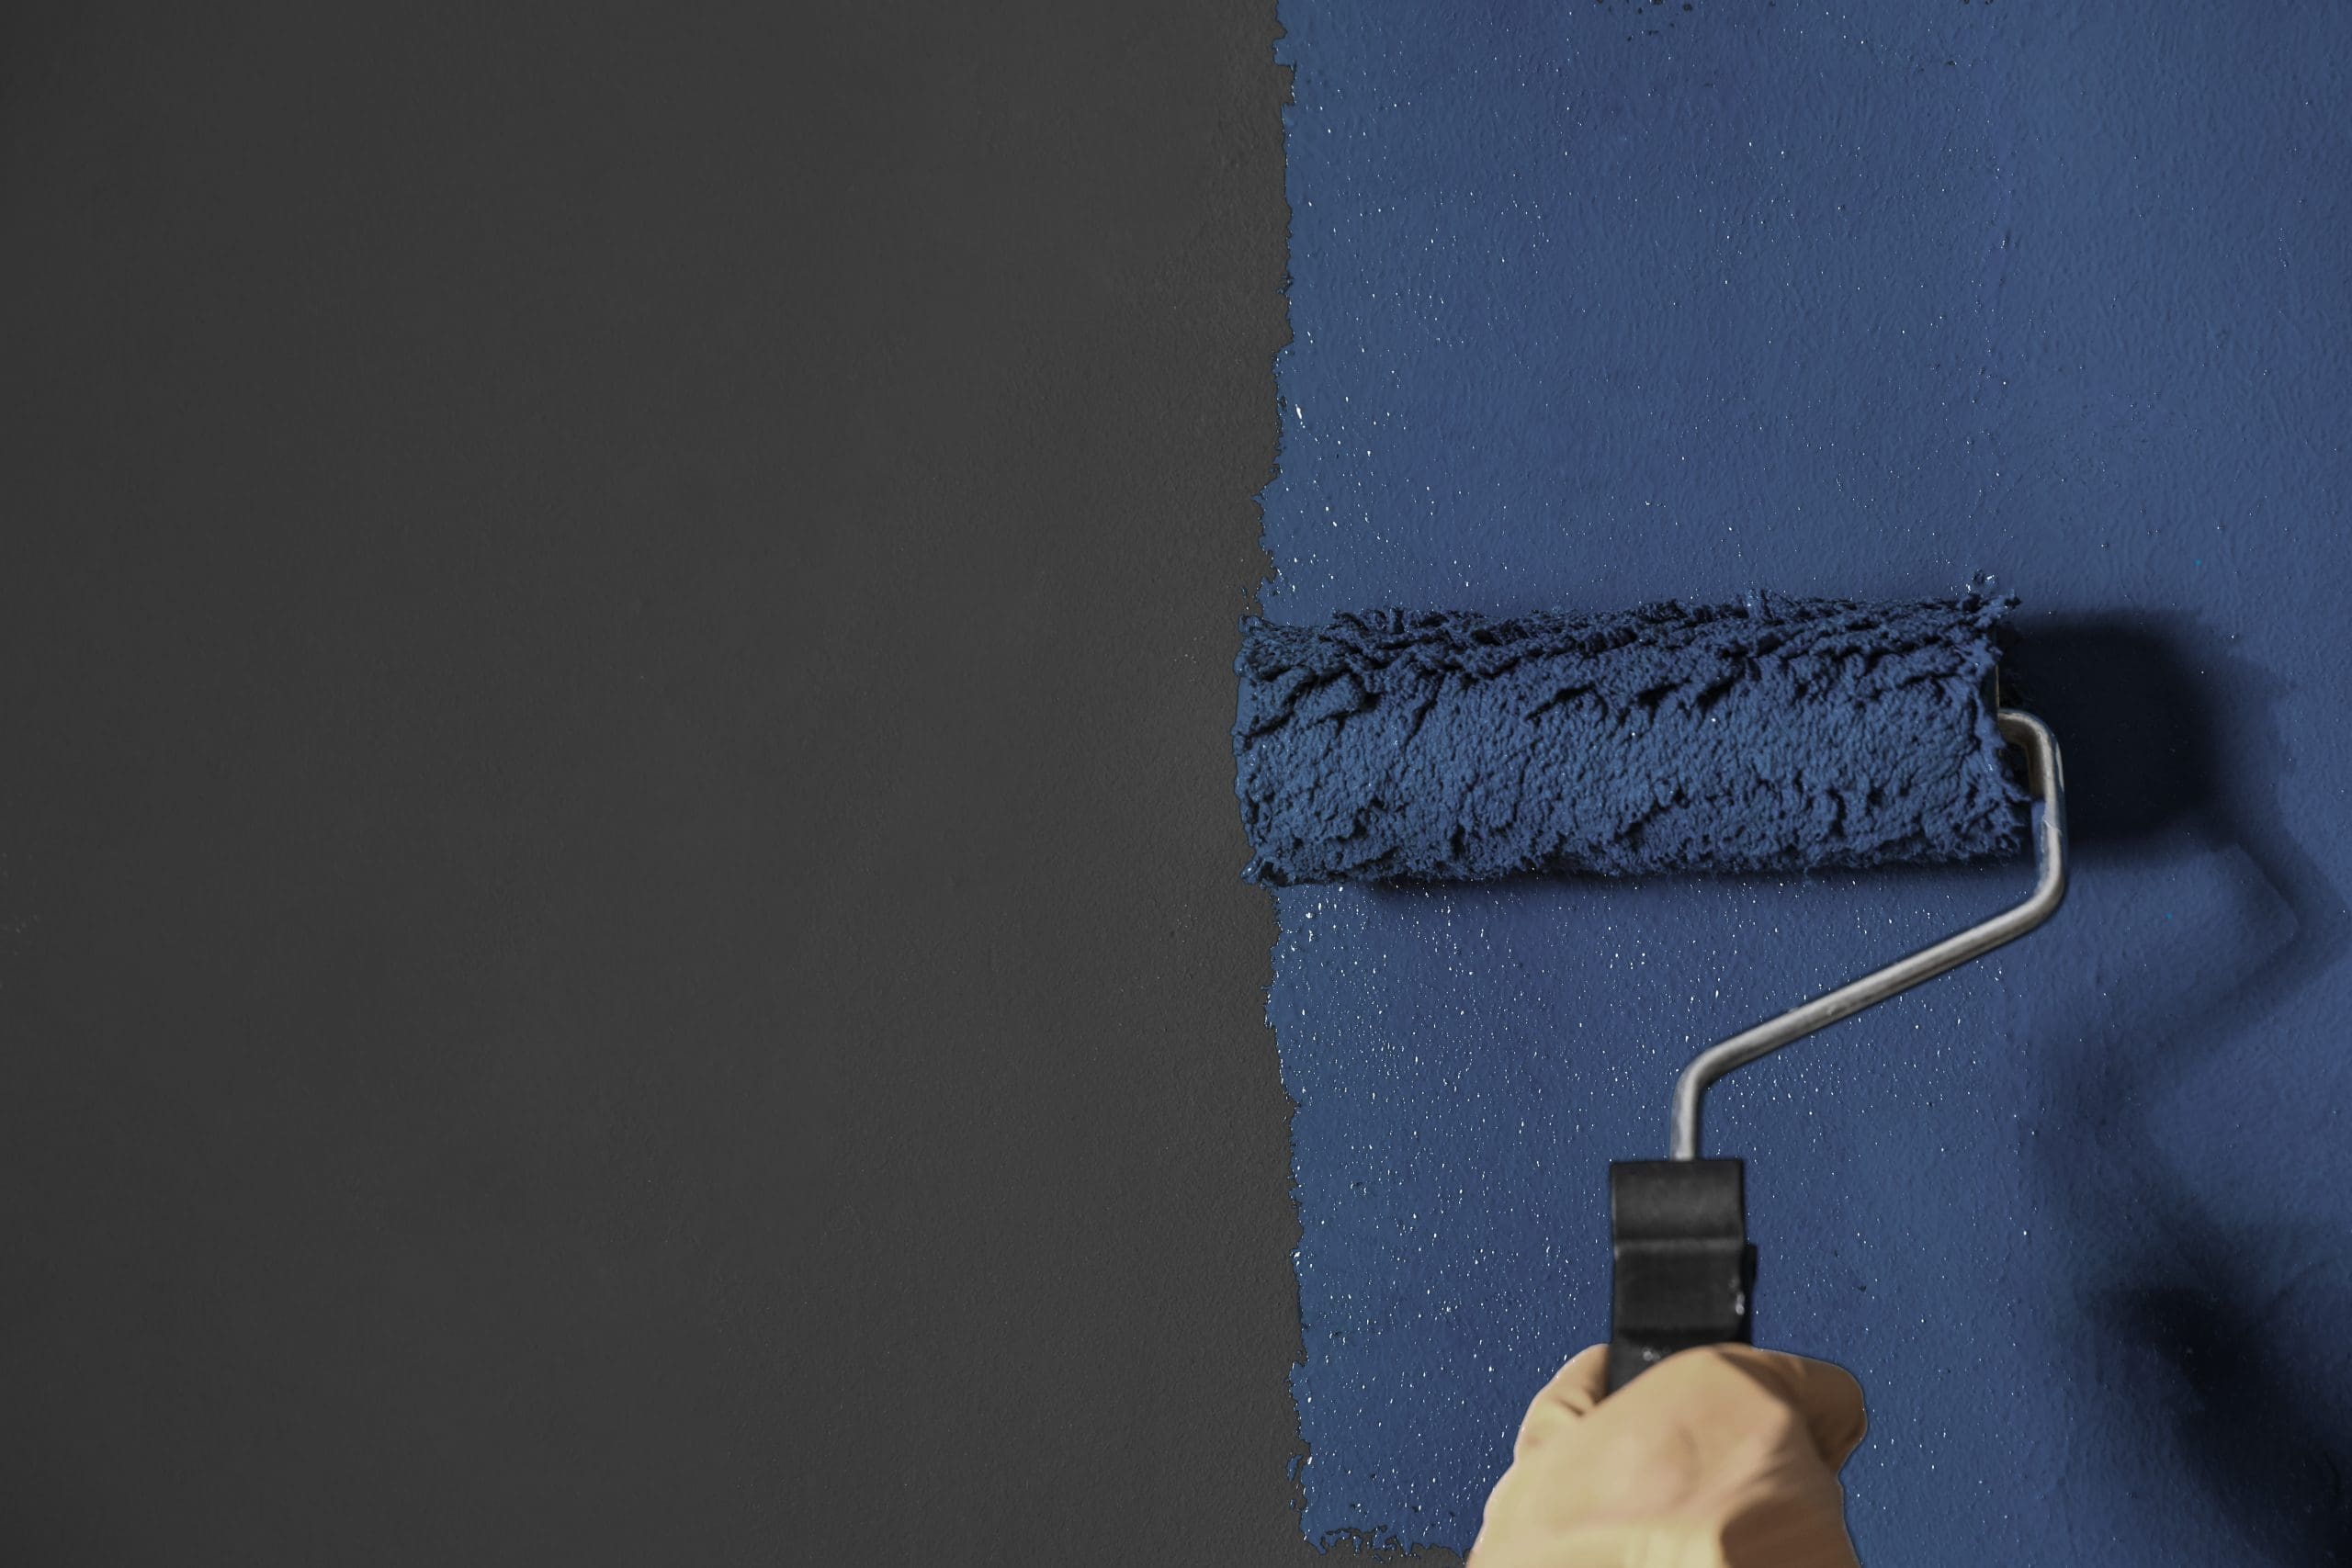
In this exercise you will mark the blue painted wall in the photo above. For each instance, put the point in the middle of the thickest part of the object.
(1600, 303)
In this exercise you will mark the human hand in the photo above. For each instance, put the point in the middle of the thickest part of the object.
(1721, 1457)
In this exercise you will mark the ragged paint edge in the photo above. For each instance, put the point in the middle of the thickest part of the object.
(1375, 1546)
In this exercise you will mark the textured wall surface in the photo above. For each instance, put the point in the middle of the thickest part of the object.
(618, 938)
(1597, 304)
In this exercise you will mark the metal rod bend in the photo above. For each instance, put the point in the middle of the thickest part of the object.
(2032, 736)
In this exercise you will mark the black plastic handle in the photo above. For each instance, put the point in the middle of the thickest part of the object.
(1683, 1271)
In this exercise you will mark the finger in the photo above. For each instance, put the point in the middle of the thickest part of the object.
(1826, 1394)
(1580, 1385)
(1574, 1390)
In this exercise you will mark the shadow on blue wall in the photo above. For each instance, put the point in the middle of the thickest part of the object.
(2138, 707)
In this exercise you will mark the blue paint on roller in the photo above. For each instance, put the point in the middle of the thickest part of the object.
(1770, 734)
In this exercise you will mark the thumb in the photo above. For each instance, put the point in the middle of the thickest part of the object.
(1826, 1396)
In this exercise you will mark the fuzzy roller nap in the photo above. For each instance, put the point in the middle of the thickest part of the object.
(1774, 734)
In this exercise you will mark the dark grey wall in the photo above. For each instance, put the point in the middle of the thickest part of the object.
(620, 939)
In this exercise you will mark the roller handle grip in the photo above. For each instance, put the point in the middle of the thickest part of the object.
(1682, 1272)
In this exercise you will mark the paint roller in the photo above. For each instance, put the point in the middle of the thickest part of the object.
(1776, 734)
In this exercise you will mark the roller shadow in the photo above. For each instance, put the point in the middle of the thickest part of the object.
(2131, 721)
(2147, 712)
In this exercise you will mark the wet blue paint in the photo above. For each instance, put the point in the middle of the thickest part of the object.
(1769, 733)
(1599, 304)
